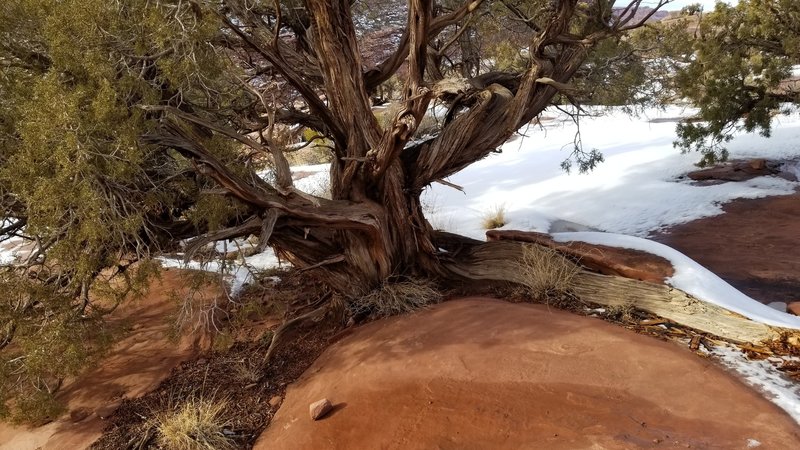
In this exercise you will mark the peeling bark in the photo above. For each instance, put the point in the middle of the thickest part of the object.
(499, 261)
(374, 227)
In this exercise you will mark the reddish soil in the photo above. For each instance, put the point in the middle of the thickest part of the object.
(754, 246)
(135, 365)
(481, 373)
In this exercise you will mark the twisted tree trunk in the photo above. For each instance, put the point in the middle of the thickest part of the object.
(374, 227)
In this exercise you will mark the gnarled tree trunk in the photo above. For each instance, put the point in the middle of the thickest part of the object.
(374, 226)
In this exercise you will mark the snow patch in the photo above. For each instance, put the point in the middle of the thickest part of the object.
(236, 273)
(752, 443)
(10, 250)
(638, 190)
(764, 377)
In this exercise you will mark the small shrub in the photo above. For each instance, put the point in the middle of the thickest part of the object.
(197, 424)
(494, 218)
(399, 297)
(546, 273)
(247, 371)
(36, 408)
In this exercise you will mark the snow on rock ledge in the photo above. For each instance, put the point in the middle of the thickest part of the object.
(692, 278)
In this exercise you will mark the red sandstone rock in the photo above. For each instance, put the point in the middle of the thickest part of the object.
(734, 171)
(483, 373)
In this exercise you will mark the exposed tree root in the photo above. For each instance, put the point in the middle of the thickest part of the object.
(499, 261)
(280, 333)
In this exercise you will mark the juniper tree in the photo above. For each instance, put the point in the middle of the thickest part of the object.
(735, 66)
(131, 125)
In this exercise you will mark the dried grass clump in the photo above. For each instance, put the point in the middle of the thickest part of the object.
(197, 424)
(494, 217)
(546, 273)
(624, 313)
(399, 297)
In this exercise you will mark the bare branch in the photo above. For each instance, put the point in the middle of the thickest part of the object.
(251, 226)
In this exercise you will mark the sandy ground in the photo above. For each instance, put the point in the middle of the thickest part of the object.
(135, 366)
(480, 373)
(754, 246)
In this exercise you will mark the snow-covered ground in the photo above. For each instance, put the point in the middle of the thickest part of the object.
(236, 273)
(639, 189)
(9, 251)
(763, 376)
(634, 192)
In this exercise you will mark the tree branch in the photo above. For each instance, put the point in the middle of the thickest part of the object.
(388, 67)
(415, 96)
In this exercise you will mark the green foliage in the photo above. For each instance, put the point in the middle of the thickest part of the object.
(51, 342)
(73, 168)
(616, 74)
(692, 10)
(740, 56)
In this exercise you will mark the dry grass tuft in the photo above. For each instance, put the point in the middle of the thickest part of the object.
(494, 218)
(546, 272)
(197, 424)
(620, 313)
(393, 298)
(247, 371)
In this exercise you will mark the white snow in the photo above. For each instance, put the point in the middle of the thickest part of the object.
(7, 255)
(10, 250)
(236, 273)
(762, 375)
(793, 168)
(635, 191)
(316, 182)
(691, 277)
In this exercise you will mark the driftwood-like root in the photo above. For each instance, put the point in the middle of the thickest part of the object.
(498, 261)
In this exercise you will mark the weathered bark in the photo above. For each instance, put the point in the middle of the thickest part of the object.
(626, 263)
(499, 261)
(676, 306)
(374, 226)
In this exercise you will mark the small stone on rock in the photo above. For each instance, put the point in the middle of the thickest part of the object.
(320, 408)
(275, 401)
(793, 308)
